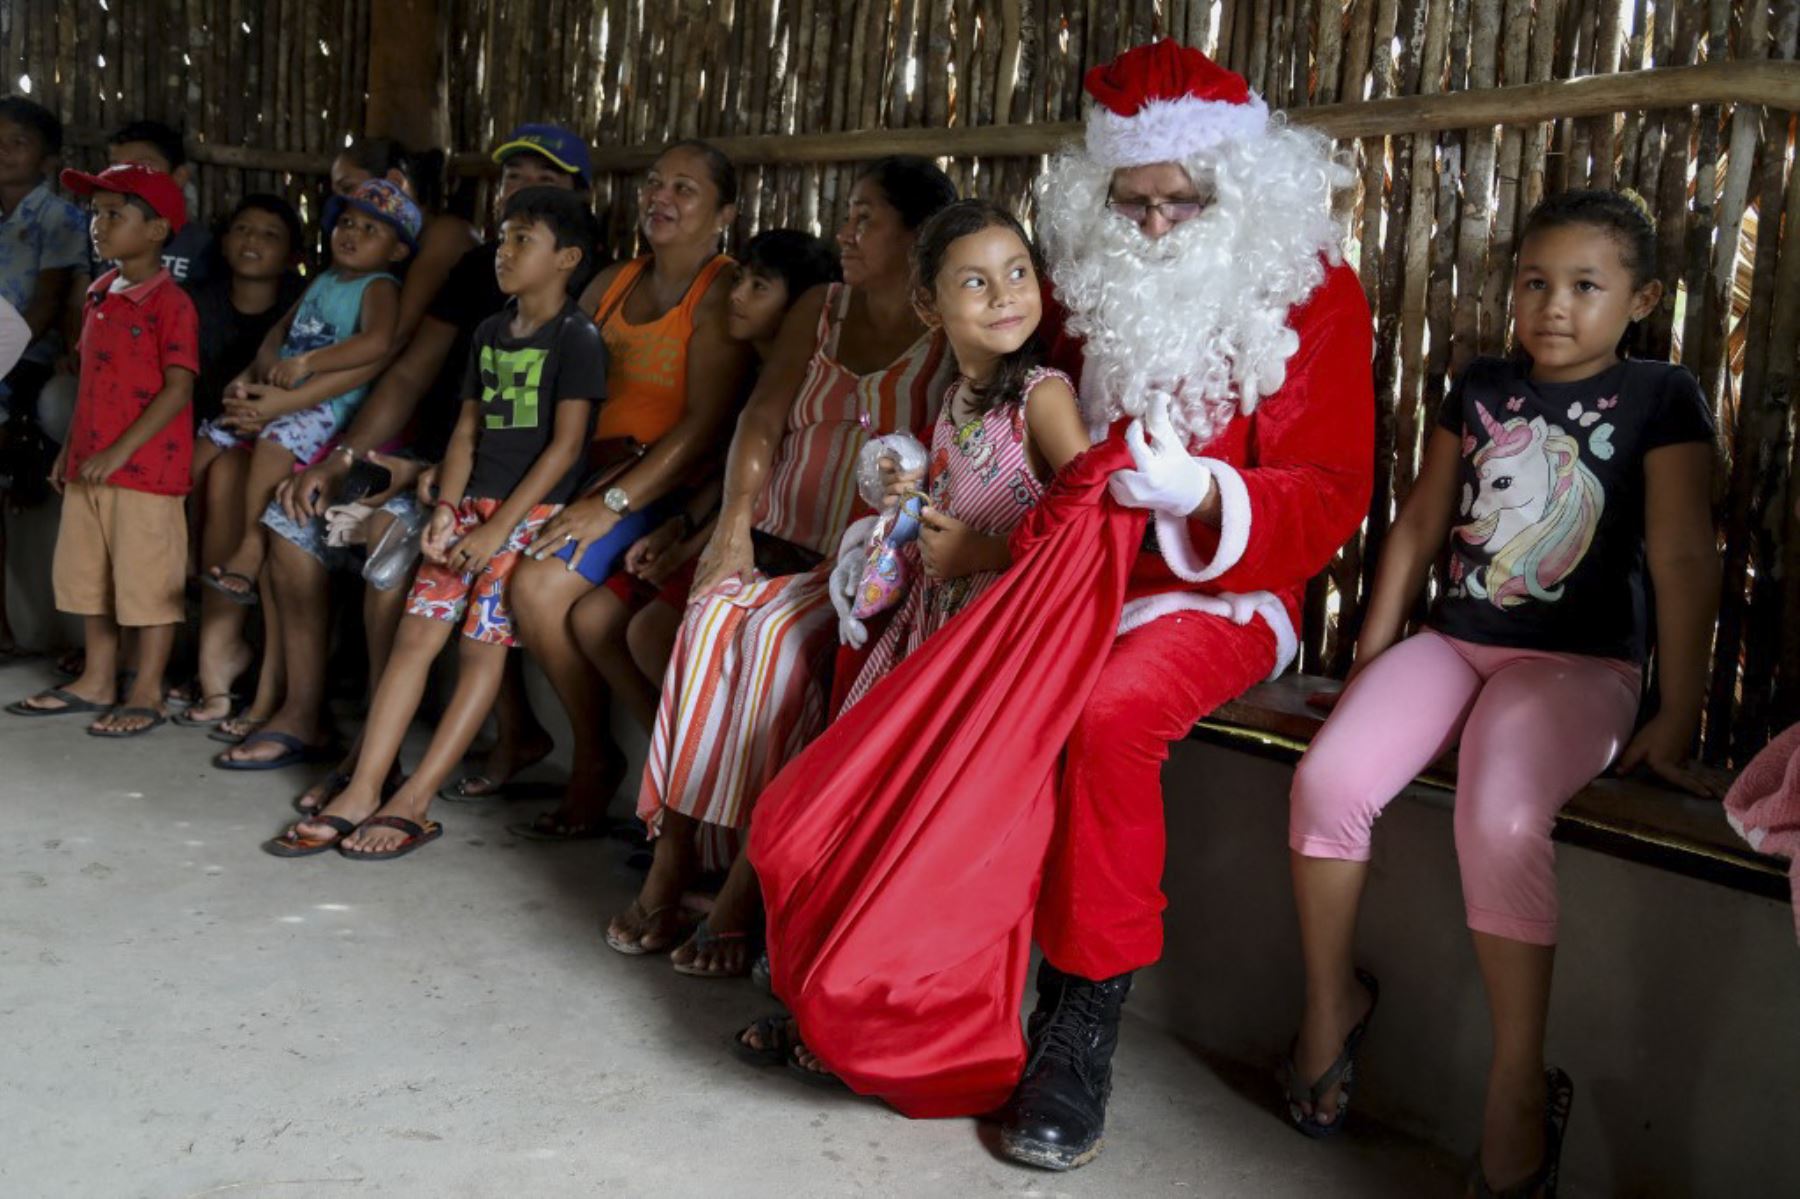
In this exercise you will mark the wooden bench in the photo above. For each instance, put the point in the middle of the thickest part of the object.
(1627, 817)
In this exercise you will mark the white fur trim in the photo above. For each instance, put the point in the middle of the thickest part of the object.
(1239, 609)
(1234, 528)
(1171, 130)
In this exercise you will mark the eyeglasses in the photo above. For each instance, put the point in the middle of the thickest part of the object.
(1173, 211)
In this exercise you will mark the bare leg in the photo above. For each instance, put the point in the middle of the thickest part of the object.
(651, 922)
(153, 644)
(734, 916)
(479, 667)
(520, 740)
(299, 583)
(543, 595)
(269, 465)
(1327, 893)
(381, 618)
(1517, 976)
(98, 681)
(396, 702)
(224, 653)
(652, 638)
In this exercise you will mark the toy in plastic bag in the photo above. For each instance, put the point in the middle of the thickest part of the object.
(885, 573)
(882, 579)
(903, 448)
(391, 560)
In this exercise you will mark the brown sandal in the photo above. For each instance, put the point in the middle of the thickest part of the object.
(642, 919)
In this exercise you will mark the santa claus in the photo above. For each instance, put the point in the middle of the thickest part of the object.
(1192, 243)
(1004, 784)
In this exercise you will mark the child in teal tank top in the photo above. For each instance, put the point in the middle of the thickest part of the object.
(315, 367)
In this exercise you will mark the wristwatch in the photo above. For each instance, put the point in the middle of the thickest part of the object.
(616, 500)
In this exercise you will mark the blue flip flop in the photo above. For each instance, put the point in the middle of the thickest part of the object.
(299, 753)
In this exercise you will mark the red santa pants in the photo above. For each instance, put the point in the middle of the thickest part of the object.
(1100, 910)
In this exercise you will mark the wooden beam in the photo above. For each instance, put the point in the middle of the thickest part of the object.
(1772, 84)
(406, 74)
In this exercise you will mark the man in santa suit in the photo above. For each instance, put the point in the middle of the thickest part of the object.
(1192, 244)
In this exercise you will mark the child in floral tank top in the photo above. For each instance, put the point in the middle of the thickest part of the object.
(1005, 428)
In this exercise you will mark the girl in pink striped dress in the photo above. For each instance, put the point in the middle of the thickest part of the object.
(986, 473)
(1006, 427)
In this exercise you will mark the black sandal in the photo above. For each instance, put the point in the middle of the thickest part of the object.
(1341, 1074)
(1559, 1098)
(778, 1043)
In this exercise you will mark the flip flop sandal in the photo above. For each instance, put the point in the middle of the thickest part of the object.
(292, 845)
(187, 720)
(546, 829)
(417, 836)
(223, 737)
(777, 1046)
(71, 703)
(705, 938)
(823, 1079)
(156, 719)
(247, 598)
(183, 695)
(472, 787)
(1341, 1074)
(1559, 1097)
(298, 753)
(636, 949)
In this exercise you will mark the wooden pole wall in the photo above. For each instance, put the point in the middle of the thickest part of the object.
(1456, 115)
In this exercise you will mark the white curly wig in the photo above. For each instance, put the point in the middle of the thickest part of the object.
(1202, 312)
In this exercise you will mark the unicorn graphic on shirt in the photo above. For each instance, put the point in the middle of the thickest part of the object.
(1535, 508)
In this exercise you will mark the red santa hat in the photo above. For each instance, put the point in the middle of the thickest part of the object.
(1165, 102)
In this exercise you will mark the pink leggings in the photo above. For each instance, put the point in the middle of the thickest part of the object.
(1534, 727)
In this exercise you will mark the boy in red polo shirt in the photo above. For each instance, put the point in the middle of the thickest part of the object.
(123, 472)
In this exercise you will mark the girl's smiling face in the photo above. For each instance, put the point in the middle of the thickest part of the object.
(1573, 298)
(986, 296)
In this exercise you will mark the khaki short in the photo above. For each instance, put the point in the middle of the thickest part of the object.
(121, 553)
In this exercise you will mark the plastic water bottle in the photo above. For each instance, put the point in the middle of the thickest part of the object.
(391, 560)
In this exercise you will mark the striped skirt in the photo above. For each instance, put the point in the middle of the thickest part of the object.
(746, 691)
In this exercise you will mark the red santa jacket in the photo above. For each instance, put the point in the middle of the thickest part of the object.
(1293, 478)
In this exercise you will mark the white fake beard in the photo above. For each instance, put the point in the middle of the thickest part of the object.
(1201, 313)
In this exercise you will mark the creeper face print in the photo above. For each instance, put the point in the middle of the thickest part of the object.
(509, 384)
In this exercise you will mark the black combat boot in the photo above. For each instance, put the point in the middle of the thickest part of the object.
(1058, 1111)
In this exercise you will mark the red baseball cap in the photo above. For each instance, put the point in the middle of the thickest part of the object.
(154, 188)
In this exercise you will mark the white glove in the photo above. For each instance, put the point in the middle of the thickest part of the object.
(1166, 480)
(846, 576)
(344, 524)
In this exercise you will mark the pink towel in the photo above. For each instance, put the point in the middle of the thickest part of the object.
(1764, 806)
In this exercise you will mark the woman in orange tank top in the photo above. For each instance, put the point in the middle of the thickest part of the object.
(674, 377)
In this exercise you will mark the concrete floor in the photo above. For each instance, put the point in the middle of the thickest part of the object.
(182, 1015)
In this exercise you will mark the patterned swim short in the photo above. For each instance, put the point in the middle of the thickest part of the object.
(439, 593)
(305, 434)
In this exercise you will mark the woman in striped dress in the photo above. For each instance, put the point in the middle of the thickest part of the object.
(746, 688)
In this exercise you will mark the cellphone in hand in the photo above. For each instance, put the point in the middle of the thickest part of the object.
(364, 479)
